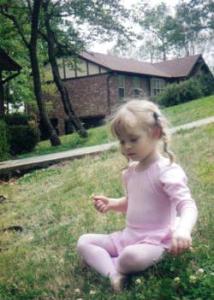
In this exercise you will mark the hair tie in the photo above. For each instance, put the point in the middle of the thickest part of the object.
(156, 116)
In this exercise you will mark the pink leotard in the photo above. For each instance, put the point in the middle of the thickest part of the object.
(156, 197)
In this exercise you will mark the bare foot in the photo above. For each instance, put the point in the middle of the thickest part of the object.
(117, 282)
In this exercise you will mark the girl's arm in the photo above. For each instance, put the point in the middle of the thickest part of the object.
(174, 183)
(181, 238)
(104, 204)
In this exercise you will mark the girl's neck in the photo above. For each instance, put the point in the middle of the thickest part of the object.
(148, 160)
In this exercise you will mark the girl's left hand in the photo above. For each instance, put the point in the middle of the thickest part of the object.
(181, 241)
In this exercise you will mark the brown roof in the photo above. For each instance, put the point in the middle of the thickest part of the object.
(180, 67)
(7, 63)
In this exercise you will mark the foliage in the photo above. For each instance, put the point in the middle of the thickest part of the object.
(17, 119)
(207, 84)
(22, 138)
(186, 32)
(4, 147)
(177, 93)
(19, 89)
(22, 133)
(154, 22)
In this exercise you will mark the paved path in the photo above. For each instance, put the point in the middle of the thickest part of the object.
(22, 165)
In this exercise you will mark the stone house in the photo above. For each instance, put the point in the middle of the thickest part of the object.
(97, 83)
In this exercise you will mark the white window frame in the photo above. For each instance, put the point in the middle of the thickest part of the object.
(121, 85)
(157, 86)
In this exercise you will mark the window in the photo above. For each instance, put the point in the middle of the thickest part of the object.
(157, 86)
(121, 87)
(121, 92)
(136, 84)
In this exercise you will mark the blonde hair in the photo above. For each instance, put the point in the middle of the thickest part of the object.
(145, 115)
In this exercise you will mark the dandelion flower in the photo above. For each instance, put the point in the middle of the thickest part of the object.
(77, 291)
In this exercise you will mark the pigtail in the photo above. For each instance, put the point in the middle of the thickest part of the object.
(166, 147)
(159, 122)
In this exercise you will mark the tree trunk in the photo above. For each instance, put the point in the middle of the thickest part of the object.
(72, 117)
(54, 139)
(1, 96)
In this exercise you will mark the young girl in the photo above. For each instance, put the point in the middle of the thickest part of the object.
(160, 212)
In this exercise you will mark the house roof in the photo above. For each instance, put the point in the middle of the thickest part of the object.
(7, 63)
(180, 67)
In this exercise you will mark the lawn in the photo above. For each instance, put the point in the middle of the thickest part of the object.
(190, 111)
(53, 207)
(177, 115)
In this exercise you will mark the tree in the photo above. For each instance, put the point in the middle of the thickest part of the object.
(153, 22)
(52, 52)
(32, 10)
(203, 11)
(64, 36)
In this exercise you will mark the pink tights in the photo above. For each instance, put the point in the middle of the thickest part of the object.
(99, 252)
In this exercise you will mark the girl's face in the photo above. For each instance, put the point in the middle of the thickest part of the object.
(139, 145)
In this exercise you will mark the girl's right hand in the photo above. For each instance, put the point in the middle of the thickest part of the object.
(102, 203)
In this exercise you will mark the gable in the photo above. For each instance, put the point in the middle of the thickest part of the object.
(68, 69)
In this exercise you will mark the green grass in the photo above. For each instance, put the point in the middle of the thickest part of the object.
(96, 136)
(177, 115)
(54, 208)
(190, 111)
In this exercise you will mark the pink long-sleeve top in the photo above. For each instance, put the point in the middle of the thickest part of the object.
(157, 196)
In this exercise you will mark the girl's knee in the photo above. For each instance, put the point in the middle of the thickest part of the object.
(82, 242)
(127, 259)
(134, 260)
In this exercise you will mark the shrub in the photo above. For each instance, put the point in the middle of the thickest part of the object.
(23, 135)
(23, 138)
(4, 147)
(17, 119)
(207, 84)
(177, 93)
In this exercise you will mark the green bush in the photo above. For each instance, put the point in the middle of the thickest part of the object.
(17, 119)
(4, 147)
(22, 138)
(177, 93)
(207, 84)
(23, 134)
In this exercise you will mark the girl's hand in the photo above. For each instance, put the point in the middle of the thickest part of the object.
(181, 241)
(102, 203)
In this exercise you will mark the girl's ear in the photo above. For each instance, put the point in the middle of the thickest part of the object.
(156, 134)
